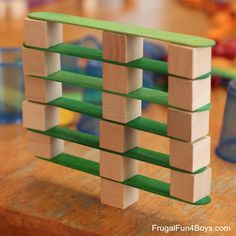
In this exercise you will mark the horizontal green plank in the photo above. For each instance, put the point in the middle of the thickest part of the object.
(70, 135)
(144, 63)
(169, 37)
(76, 163)
(160, 67)
(148, 125)
(139, 181)
(92, 141)
(158, 187)
(85, 81)
(78, 106)
(139, 123)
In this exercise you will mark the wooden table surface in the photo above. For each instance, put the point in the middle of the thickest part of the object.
(41, 198)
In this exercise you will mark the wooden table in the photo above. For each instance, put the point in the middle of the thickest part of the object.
(41, 198)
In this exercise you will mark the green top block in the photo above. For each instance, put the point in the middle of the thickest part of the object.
(169, 37)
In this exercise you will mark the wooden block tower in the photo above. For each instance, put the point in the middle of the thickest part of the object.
(188, 102)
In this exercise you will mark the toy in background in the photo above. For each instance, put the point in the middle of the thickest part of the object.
(11, 85)
(227, 145)
(221, 13)
(224, 54)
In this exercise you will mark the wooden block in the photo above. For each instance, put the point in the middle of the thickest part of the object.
(117, 167)
(39, 116)
(121, 48)
(117, 137)
(190, 187)
(40, 63)
(43, 34)
(190, 156)
(120, 109)
(121, 79)
(188, 62)
(187, 126)
(117, 195)
(40, 90)
(189, 94)
(44, 146)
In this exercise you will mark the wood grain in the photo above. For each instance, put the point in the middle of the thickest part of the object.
(120, 109)
(39, 116)
(40, 90)
(40, 63)
(187, 126)
(121, 79)
(190, 187)
(121, 48)
(190, 156)
(117, 167)
(117, 195)
(44, 146)
(187, 94)
(117, 137)
(188, 62)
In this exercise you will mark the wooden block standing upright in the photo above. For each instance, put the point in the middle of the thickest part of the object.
(43, 34)
(188, 62)
(121, 48)
(116, 137)
(187, 126)
(121, 79)
(40, 90)
(124, 166)
(189, 90)
(39, 116)
(190, 187)
(120, 109)
(190, 156)
(187, 94)
(117, 195)
(40, 63)
(45, 146)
